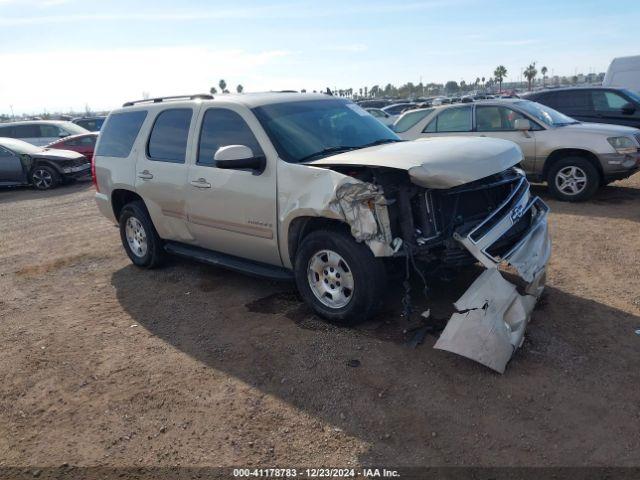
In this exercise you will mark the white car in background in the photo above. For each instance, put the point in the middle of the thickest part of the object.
(382, 116)
(40, 132)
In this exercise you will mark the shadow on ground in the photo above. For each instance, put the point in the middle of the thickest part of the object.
(576, 371)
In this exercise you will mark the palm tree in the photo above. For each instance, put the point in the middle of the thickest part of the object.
(213, 90)
(500, 73)
(483, 81)
(239, 88)
(222, 84)
(544, 71)
(530, 73)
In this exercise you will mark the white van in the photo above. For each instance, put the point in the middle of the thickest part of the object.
(624, 72)
(40, 132)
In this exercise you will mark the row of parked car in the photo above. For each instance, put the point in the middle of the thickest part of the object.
(563, 146)
(45, 153)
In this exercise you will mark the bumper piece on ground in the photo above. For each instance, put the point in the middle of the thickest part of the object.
(491, 320)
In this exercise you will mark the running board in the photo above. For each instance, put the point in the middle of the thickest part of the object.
(230, 262)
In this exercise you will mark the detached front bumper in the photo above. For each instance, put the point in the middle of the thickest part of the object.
(492, 315)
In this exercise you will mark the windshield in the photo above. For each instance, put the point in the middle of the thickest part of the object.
(634, 96)
(545, 114)
(20, 147)
(313, 129)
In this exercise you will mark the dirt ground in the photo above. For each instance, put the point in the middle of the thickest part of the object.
(106, 364)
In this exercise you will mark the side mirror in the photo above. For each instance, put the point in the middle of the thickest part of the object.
(522, 124)
(63, 135)
(238, 157)
(629, 109)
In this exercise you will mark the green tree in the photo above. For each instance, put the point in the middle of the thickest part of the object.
(239, 88)
(500, 73)
(213, 90)
(223, 85)
(530, 74)
(451, 86)
(544, 71)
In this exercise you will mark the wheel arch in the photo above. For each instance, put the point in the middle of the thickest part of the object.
(302, 226)
(561, 153)
(120, 197)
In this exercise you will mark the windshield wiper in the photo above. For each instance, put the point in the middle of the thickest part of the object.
(327, 151)
(381, 142)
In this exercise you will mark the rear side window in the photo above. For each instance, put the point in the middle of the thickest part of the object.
(409, 119)
(169, 135)
(7, 132)
(222, 127)
(576, 99)
(119, 133)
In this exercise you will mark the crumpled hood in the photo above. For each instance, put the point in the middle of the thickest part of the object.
(58, 155)
(601, 128)
(439, 163)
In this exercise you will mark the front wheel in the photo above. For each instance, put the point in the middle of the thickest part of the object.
(44, 177)
(338, 277)
(139, 237)
(573, 179)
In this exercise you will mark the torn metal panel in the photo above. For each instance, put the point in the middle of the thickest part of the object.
(313, 192)
(364, 207)
(491, 321)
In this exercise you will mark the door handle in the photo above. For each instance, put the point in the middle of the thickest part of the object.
(200, 183)
(145, 175)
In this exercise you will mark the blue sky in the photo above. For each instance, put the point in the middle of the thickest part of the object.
(62, 54)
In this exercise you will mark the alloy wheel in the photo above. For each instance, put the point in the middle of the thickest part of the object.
(330, 279)
(571, 180)
(136, 237)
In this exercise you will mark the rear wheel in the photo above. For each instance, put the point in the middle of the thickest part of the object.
(573, 179)
(139, 237)
(44, 177)
(338, 277)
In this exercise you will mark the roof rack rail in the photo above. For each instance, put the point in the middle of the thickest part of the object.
(198, 96)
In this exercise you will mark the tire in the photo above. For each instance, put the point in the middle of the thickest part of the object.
(352, 289)
(573, 174)
(139, 237)
(44, 177)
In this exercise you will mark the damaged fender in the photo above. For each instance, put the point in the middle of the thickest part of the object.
(321, 192)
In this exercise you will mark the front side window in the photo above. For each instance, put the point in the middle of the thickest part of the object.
(50, 131)
(222, 127)
(409, 119)
(5, 154)
(454, 120)
(119, 133)
(496, 119)
(311, 129)
(169, 135)
(604, 101)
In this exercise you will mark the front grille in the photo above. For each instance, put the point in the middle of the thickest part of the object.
(513, 235)
(461, 209)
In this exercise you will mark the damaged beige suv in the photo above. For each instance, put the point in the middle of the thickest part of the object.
(312, 187)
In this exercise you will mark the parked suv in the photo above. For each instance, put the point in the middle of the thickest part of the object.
(601, 105)
(40, 132)
(313, 188)
(574, 158)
